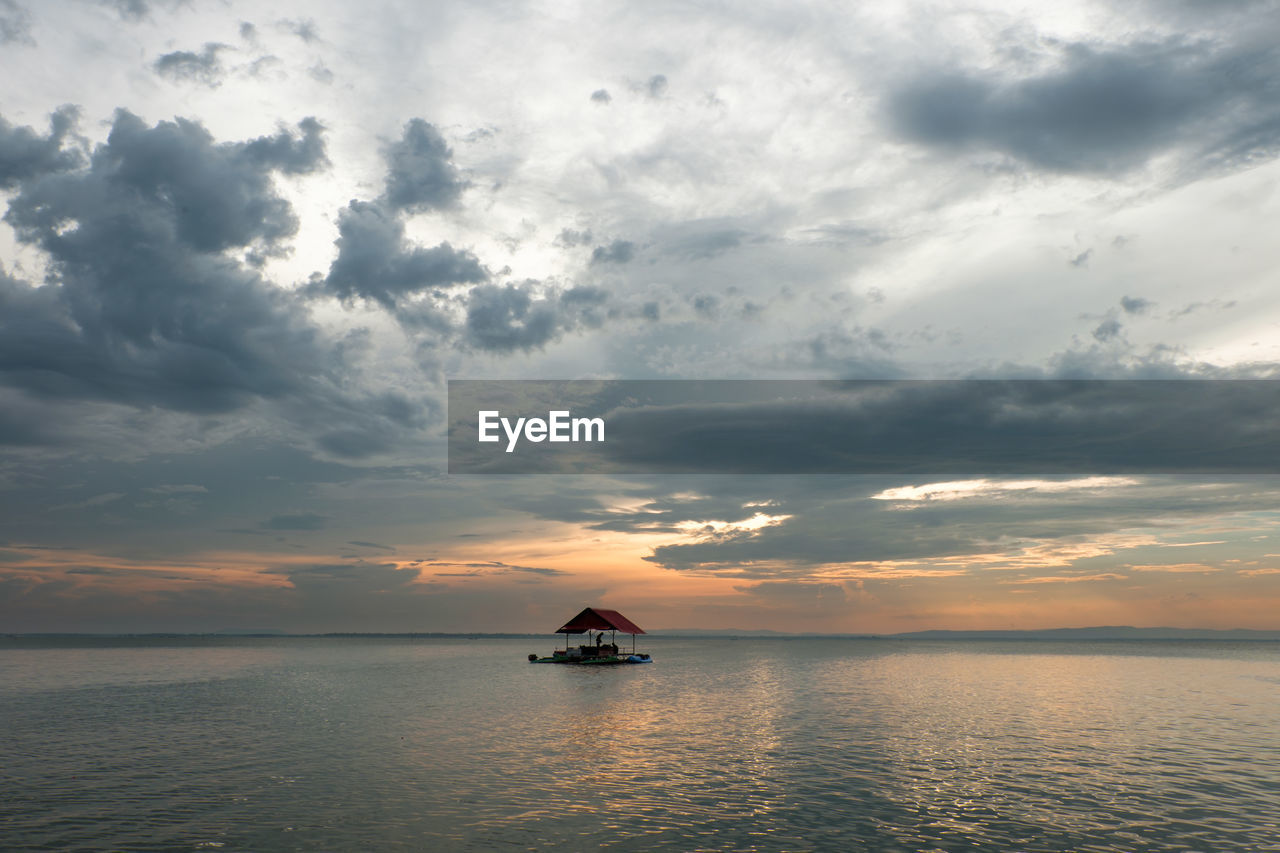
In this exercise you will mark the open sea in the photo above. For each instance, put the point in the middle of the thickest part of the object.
(352, 743)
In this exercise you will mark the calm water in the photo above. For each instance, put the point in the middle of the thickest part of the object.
(760, 744)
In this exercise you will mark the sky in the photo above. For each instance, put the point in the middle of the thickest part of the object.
(245, 246)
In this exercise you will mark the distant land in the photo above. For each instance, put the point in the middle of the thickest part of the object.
(1108, 632)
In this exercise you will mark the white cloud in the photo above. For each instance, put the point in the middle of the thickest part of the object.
(956, 490)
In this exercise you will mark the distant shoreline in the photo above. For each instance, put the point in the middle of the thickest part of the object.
(1106, 633)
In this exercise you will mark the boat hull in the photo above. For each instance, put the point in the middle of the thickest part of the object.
(611, 660)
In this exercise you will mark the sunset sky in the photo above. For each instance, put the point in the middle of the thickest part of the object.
(245, 246)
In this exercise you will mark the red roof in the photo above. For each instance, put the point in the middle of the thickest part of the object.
(595, 619)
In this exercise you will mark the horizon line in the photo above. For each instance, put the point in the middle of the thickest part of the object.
(931, 633)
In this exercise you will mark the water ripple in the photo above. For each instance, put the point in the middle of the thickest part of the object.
(748, 745)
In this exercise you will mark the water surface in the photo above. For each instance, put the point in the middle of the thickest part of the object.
(751, 744)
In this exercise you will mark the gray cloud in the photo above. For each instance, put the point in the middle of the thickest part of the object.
(702, 240)
(841, 525)
(303, 28)
(130, 10)
(569, 238)
(617, 252)
(23, 422)
(953, 428)
(833, 520)
(15, 24)
(510, 317)
(144, 305)
(707, 305)
(420, 172)
(1135, 304)
(361, 544)
(765, 212)
(657, 85)
(177, 489)
(376, 262)
(975, 428)
(490, 568)
(1104, 108)
(186, 66)
(295, 521)
(1108, 330)
(25, 154)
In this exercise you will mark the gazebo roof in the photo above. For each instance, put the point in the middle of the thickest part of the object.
(596, 619)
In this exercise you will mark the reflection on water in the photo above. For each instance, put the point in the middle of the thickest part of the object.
(720, 745)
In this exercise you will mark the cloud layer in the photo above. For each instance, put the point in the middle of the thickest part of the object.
(241, 253)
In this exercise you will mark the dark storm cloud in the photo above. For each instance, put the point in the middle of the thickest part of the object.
(185, 65)
(15, 24)
(1105, 108)
(184, 189)
(617, 252)
(25, 154)
(143, 303)
(953, 428)
(973, 427)
(357, 442)
(376, 262)
(525, 316)
(420, 172)
(509, 317)
(23, 422)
